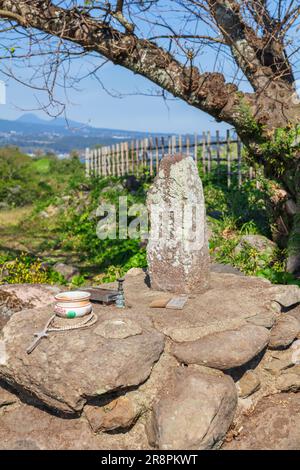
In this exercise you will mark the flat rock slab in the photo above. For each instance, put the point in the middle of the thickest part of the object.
(274, 425)
(284, 332)
(68, 368)
(224, 350)
(241, 299)
(194, 411)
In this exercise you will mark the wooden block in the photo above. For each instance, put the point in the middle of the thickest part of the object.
(177, 303)
(160, 302)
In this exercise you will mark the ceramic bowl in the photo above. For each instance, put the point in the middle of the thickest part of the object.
(71, 312)
(72, 296)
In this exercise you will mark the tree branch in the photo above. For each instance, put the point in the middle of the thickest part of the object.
(208, 91)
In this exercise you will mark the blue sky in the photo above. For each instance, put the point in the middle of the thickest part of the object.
(134, 112)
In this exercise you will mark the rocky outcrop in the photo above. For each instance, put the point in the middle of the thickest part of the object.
(68, 368)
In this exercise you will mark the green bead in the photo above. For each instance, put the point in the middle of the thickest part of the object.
(71, 314)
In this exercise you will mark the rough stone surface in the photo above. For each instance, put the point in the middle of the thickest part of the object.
(288, 382)
(284, 296)
(119, 413)
(295, 312)
(6, 397)
(224, 350)
(177, 250)
(193, 412)
(241, 296)
(25, 427)
(274, 425)
(284, 332)
(17, 297)
(66, 270)
(134, 272)
(68, 368)
(266, 319)
(118, 328)
(248, 384)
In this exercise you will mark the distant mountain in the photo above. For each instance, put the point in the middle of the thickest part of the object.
(31, 133)
(30, 118)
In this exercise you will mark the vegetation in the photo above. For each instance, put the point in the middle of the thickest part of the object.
(61, 220)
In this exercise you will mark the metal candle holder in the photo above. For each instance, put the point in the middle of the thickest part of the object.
(120, 299)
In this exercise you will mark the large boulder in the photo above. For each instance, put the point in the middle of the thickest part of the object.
(194, 411)
(69, 368)
(177, 250)
(224, 350)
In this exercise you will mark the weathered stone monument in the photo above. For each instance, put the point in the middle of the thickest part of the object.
(178, 257)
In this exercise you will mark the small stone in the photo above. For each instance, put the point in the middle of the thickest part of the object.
(266, 319)
(118, 414)
(224, 350)
(284, 295)
(193, 411)
(66, 270)
(284, 332)
(160, 302)
(248, 384)
(118, 328)
(288, 382)
(277, 366)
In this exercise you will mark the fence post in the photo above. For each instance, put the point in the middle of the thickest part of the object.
(162, 147)
(196, 149)
(87, 162)
(209, 162)
(204, 151)
(239, 153)
(228, 158)
(137, 156)
(187, 143)
(180, 144)
(156, 154)
(218, 151)
(151, 155)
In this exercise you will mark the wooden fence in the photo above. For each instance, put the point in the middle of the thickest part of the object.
(134, 157)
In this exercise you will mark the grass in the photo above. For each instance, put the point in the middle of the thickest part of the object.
(59, 224)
